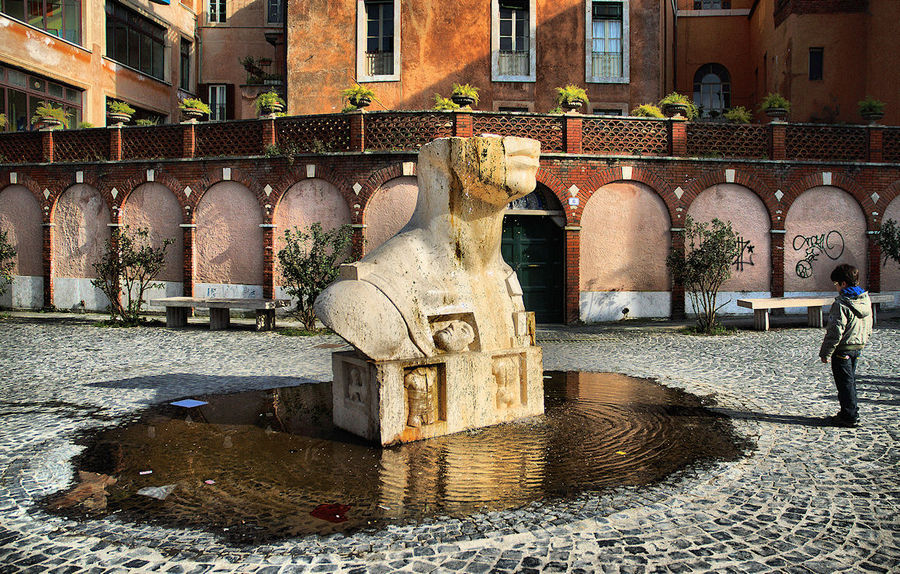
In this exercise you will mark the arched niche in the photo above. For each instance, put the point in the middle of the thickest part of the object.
(304, 203)
(625, 238)
(890, 271)
(153, 206)
(389, 210)
(20, 218)
(751, 273)
(80, 238)
(229, 243)
(824, 227)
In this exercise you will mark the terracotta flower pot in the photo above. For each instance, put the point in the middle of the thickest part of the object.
(118, 118)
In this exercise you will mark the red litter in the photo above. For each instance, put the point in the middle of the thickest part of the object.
(331, 512)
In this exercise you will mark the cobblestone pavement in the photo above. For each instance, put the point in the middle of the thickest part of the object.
(807, 498)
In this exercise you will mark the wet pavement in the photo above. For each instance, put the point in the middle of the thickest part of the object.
(804, 498)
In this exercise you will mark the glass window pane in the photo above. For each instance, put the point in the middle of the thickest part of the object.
(73, 96)
(72, 20)
(55, 90)
(53, 20)
(18, 111)
(15, 8)
(17, 78)
(506, 44)
(35, 15)
(505, 28)
(146, 55)
(133, 58)
(159, 58)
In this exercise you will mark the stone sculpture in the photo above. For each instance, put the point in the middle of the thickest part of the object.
(439, 295)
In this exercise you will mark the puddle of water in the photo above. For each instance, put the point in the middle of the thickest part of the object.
(265, 465)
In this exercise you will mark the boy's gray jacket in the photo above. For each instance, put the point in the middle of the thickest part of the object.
(849, 324)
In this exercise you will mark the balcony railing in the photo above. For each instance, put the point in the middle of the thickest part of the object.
(403, 131)
(379, 63)
(606, 64)
(514, 63)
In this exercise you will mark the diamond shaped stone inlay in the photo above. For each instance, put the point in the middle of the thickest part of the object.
(114, 192)
(151, 175)
(79, 177)
(310, 170)
(779, 194)
(13, 177)
(679, 192)
(187, 191)
(268, 190)
(46, 193)
(357, 188)
(573, 191)
(875, 197)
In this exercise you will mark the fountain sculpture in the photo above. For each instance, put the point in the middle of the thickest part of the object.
(443, 340)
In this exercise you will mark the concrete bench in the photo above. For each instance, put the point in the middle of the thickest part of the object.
(220, 310)
(813, 307)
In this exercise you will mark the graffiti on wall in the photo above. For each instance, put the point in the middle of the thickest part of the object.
(745, 255)
(830, 244)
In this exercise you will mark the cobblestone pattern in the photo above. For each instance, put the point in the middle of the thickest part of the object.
(807, 498)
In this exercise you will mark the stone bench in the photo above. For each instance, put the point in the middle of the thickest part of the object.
(813, 307)
(220, 310)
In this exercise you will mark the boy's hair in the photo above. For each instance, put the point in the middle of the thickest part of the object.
(846, 273)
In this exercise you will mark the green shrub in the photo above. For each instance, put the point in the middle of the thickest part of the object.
(676, 98)
(7, 261)
(268, 102)
(444, 104)
(46, 110)
(571, 94)
(870, 106)
(466, 91)
(888, 239)
(738, 115)
(775, 100)
(647, 111)
(194, 104)
(117, 107)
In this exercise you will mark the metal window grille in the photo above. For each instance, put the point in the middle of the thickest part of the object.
(607, 42)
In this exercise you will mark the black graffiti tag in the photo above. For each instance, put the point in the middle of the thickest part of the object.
(746, 249)
(831, 244)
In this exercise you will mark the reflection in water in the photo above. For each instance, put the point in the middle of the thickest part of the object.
(263, 465)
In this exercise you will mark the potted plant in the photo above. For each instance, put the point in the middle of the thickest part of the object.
(359, 96)
(444, 104)
(118, 112)
(775, 106)
(647, 111)
(3, 122)
(269, 103)
(464, 95)
(47, 115)
(193, 109)
(147, 122)
(871, 109)
(571, 97)
(677, 105)
(738, 115)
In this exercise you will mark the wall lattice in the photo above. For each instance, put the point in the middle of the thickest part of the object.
(229, 138)
(812, 141)
(22, 147)
(81, 145)
(891, 145)
(625, 137)
(151, 142)
(313, 133)
(547, 129)
(404, 131)
(727, 140)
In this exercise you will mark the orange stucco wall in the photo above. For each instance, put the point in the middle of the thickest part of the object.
(229, 239)
(20, 218)
(81, 232)
(389, 210)
(152, 206)
(822, 216)
(624, 240)
(890, 273)
(750, 220)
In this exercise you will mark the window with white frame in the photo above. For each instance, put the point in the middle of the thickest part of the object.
(217, 102)
(378, 29)
(216, 10)
(607, 37)
(512, 42)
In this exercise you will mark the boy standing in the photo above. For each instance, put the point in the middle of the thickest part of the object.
(849, 328)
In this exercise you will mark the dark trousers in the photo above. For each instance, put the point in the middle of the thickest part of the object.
(843, 365)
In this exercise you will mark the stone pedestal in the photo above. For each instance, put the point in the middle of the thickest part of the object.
(394, 401)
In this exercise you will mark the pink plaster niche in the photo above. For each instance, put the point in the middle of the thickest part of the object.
(890, 273)
(153, 206)
(305, 203)
(20, 217)
(624, 240)
(824, 227)
(81, 233)
(750, 220)
(389, 210)
(229, 240)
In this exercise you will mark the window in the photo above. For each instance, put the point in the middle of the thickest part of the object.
(185, 66)
(712, 90)
(712, 4)
(608, 112)
(216, 11)
(21, 93)
(218, 103)
(378, 56)
(816, 63)
(274, 11)
(607, 35)
(512, 41)
(135, 41)
(62, 18)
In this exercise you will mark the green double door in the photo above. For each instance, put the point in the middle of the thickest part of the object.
(534, 247)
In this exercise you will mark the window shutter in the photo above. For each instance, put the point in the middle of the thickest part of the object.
(203, 92)
(229, 101)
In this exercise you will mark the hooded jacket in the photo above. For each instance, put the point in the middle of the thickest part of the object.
(849, 324)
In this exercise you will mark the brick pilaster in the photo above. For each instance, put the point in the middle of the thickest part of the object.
(188, 258)
(47, 144)
(462, 123)
(47, 260)
(572, 130)
(358, 241)
(776, 256)
(876, 145)
(873, 272)
(573, 273)
(268, 230)
(777, 140)
(114, 229)
(357, 131)
(677, 137)
(678, 310)
(115, 142)
(268, 132)
(189, 138)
